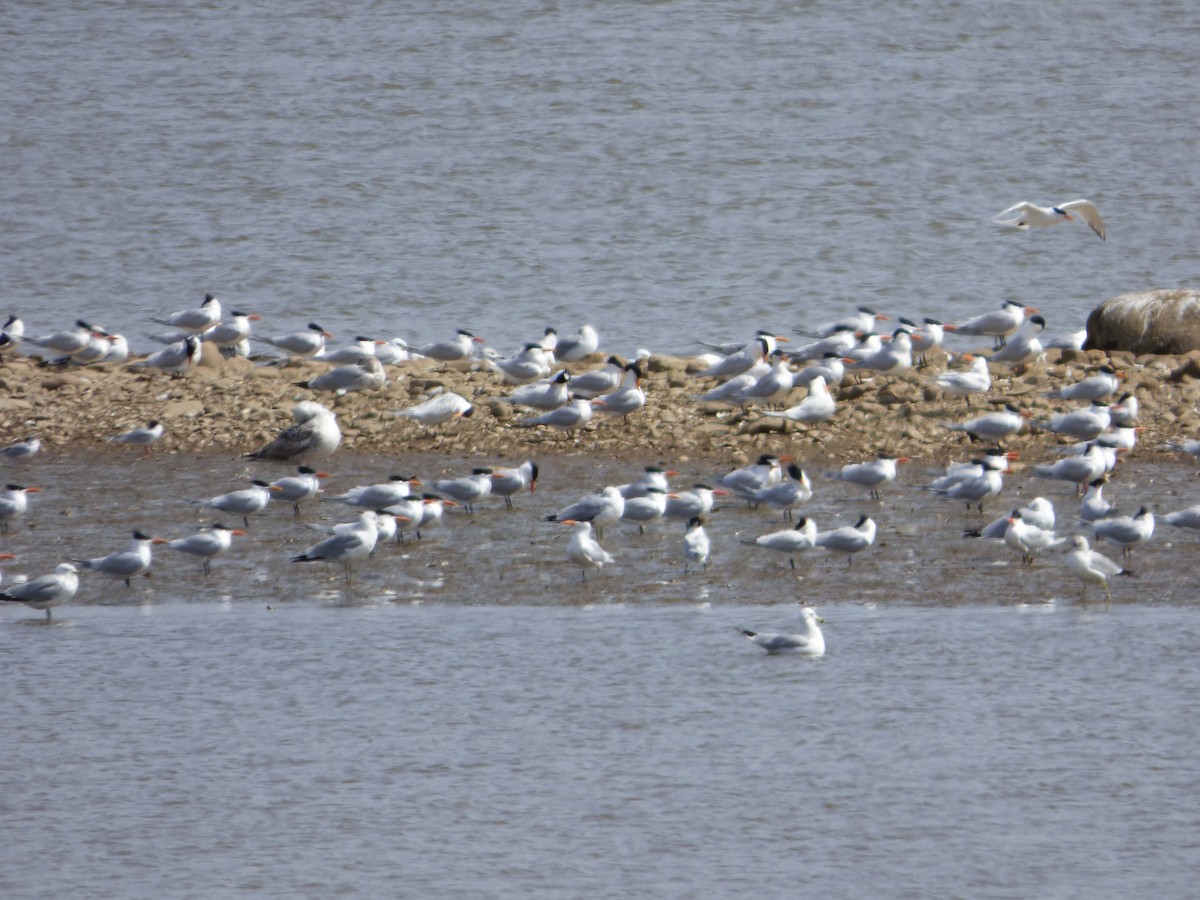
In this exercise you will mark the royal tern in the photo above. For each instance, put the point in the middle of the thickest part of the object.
(1026, 215)
(839, 342)
(746, 481)
(22, 450)
(305, 485)
(925, 337)
(696, 544)
(1079, 470)
(14, 502)
(461, 346)
(432, 509)
(598, 381)
(97, 349)
(124, 564)
(892, 358)
(206, 544)
(965, 383)
(809, 641)
(1190, 446)
(1091, 567)
(508, 481)
(849, 539)
(12, 332)
(576, 414)
(305, 343)
(692, 503)
(395, 352)
(652, 478)
(467, 490)
(314, 436)
(1126, 531)
(532, 363)
(818, 406)
(229, 336)
(175, 358)
(197, 319)
(584, 550)
(367, 374)
(1024, 346)
(736, 363)
(868, 345)
(1028, 539)
(728, 348)
(1124, 413)
(584, 343)
(626, 399)
(872, 474)
(67, 343)
(830, 368)
(1072, 341)
(863, 319)
(46, 591)
(1038, 512)
(349, 541)
(602, 508)
(543, 395)
(1187, 519)
(997, 324)
(789, 494)
(734, 391)
(438, 410)
(1096, 387)
(408, 511)
(955, 472)
(995, 426)
(645, 508)
(976, 489)
(378, 496)
(1094, 506)
(352, 354)
(244, 502)
(791, 541)
(1082, 424)
(144, 436)
(774, 385)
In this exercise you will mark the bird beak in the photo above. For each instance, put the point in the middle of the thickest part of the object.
(159, 541)
(237, 531)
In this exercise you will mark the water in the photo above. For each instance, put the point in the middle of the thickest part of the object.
(668, 171)
(227, 750)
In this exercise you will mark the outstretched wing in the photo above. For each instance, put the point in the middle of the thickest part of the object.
(1087, 211)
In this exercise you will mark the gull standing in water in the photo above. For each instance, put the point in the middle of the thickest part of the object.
(584, 550)
(46, 591)
(809, 641)
(1026, 215)
(1091, 567)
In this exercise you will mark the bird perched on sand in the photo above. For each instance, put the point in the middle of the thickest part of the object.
(544, 395)
(367, 374)
(818, 406)
(584, 550)
(1095, 387)
(305, 343)
(197, 319)
(530, 364)
(997, 324)
(175, 358)
(46, 591)
(314, 436)
(573, 349)
(461, 346)
(809, 641)
(1024, 346)
(438, 410)
(576, 414)
(598, 381)
(959, 383)
(1026, 215)
(626, 399)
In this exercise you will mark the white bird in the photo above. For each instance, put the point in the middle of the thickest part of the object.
(378, 496)
(803, 536)
(1126, 531)
(467, 490)
(175, 358)
(737, 363)
(197, 319)
(838, 343)
(349, 541)
(1124, 413)
(997, 324)
(1072, 341)
(1093, 506)
(602, 508)
(809, 641)
(735, 391)
(244, 502)
(438, 410)
(598, 381)
(790, 493)
(229, 335)
(1079, 470)
(144, 436)
(543, 395)
(353, 354)
(67, 343)
(432, 509)
(830, 368)
(94, 352)
(1191, 446)
(12, 332)
(848, 539)
(978, 488)
(744, 482)
(993, 458)
(818, 406)
(508, 481)
(46, 591)
(692, 503)
(367, 374)
(891, 358)
(696, 544)
(532, 363)
(652, 478)
(395, 352)
(22, 450)
(994, 426)
(314, 436)
(1024, 346)
(863, 319)
(1082, 424)
(294, 489)
(975, 380)
(461, 346)
(584, 550)
(576, 414)
(124, 564)
(1026, 215)
(1038, 512)
(626, 399)
(206, 544)
(867, 346)
(573, 349)
(872, 474)
(1028, 539)
(1096, 387)
(305, 343)
(645, 508)
(1187, 519)
(14, 502)
(1091, 567)
(774, 384)
(925, 337)
(728, 348)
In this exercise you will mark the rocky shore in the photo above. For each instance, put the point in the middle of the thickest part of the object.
(236, 405)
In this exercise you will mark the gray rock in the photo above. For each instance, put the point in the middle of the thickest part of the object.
(1166, 322)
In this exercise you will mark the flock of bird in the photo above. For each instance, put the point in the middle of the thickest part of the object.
(749, 372)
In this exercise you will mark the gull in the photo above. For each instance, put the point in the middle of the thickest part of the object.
(573, 349)
(998, 324)
(22, 450)
(1026, 215)
(349, 541)
(305, 343)
(438, 410)
(872, 475)
(1126, 531)
(848, 539)
(863, 319)
(598, 381)
(1188, 519)
(378, 496)
(1024, 346)
(314, 436)
(995, 426)
(510, 480)
(543, 395)
(467, 490)
(1094, 506)
(584, 550)
(143, 436)
(975, 380)
(567, 418)
(696, 544)
(175, 358)
(744, 482)
(1079, 470)
(46, 591)
(244, 502)
(1091, 567)
(195, 320)
(809, 641)
(367, 374)
(362, 346)
(626, 399)
(831, 369)
(802, 536)
(124, 564)
(532, 363)
(1103, 384)
(206, 544)
(14, 501)
(1082, 424)
(818, 406)
(602, 508)
(461, 346)
(789, 494)
(692, 503)
(304, 485)
(1028, 539)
